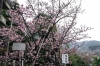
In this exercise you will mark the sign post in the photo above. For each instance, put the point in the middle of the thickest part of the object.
(65, 58)
(13, 62)
(20, 47)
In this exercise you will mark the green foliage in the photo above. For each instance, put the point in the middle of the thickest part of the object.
(53, 29)
(5, 14)
(76, 60)
(96, 62)
(43, 15)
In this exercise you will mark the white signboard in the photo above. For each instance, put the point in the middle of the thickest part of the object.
(65, 58)
(18, 46)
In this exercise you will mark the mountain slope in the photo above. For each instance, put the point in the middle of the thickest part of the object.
(92, 45)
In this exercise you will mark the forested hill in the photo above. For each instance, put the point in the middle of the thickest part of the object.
(92, 45)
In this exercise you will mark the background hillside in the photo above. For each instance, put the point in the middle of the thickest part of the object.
(91, 45)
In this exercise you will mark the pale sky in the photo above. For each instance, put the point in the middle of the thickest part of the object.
(90, 17)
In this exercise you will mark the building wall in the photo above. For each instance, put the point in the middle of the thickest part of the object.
(4, 5)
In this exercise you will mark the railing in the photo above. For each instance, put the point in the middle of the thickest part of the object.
(8, 3)
(2, 19)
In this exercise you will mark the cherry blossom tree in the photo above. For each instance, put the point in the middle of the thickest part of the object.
(40, 26)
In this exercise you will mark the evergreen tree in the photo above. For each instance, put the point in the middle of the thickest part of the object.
(76, 60)
(96, 62)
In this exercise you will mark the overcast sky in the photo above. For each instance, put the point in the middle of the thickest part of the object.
(91, 17)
